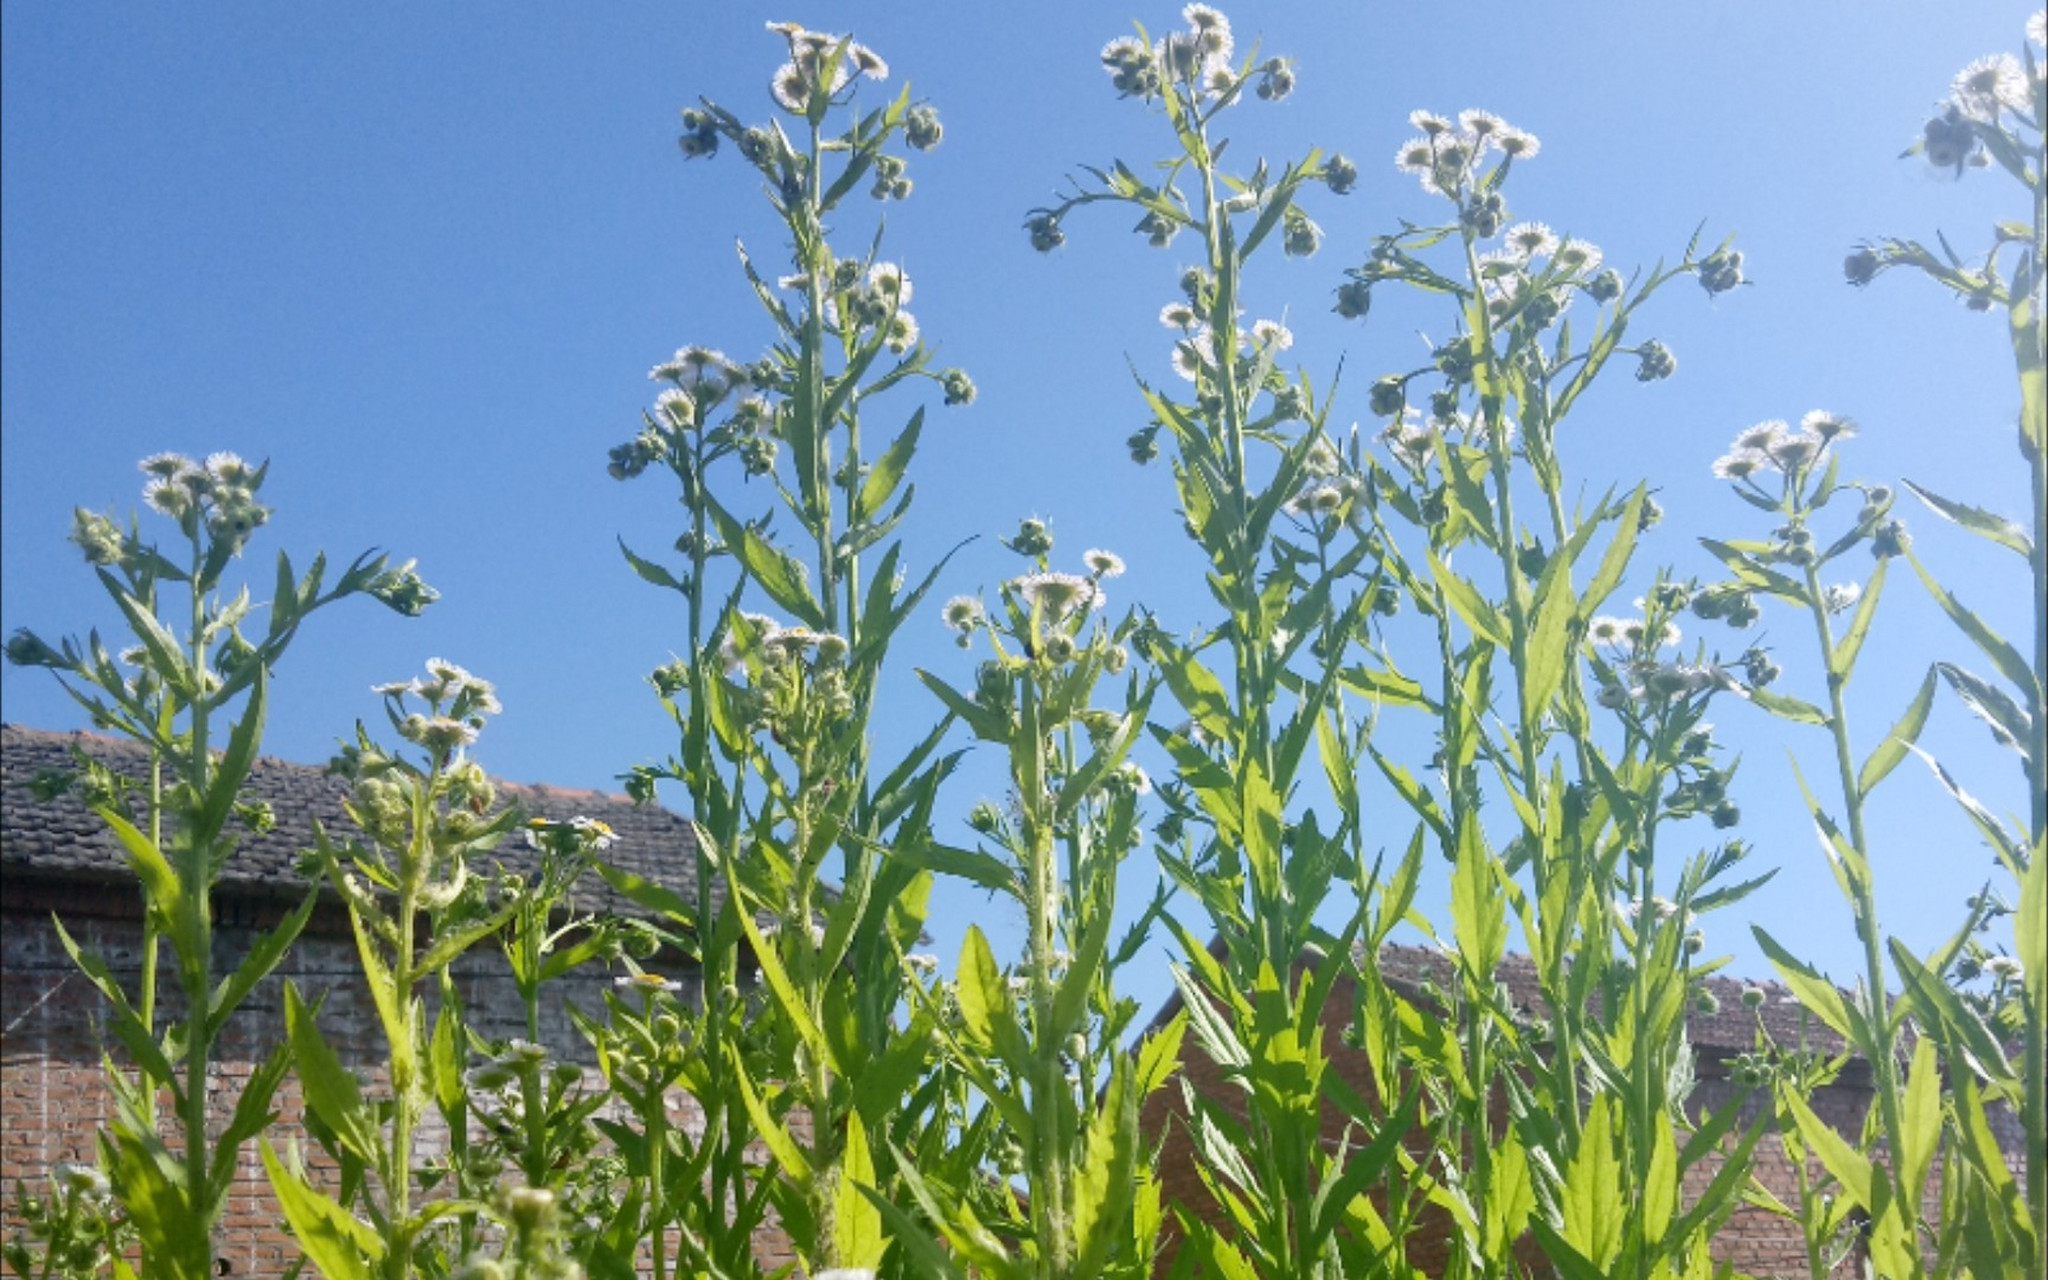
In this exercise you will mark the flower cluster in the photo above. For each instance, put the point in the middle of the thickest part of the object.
(219, 495)
(1773, 446)
(457, 704)
(819, 63)
(1447, 159)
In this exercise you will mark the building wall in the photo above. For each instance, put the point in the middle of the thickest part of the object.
(1753, 1240)
(53, 1094)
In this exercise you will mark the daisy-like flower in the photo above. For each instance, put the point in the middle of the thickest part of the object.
(2004, 968)
(1531, 239)
(923, 962)
(1580, 257)
(1416, 156)
(1989, 84)
(1741, 464)
(1483, 127)
(888, 280)
(1272, 335)
(1605, 630)
(437, 733)
(902, 332)
(1179, 315)
(1103, 564)
(1212, 27)
(648, 982)
(1058, 594)
(1317, 500)
(167, 497)
(1182, 55)
(1409, 442)
(676, 408)
(1792, 452)
(791, 88)
(1760, 437)
(867, 62)
(395, 689)
(1125, 51)
(1321, 459)
(963, 613)
(1828, 426)
(1518, 144)
(1429, 122)
(228, 468)
(1193, 356)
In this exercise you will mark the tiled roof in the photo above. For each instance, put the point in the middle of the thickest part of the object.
(1730, 1028)
(62, 839)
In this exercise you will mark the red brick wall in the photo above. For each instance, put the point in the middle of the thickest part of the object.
(53, 1095)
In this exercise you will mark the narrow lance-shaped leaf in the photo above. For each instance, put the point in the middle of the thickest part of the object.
(1887, 754)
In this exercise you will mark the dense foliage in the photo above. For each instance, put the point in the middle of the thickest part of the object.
(898, 1120)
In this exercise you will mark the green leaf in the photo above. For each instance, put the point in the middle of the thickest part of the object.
(330, 1088)
(1788, 708)
(1892, 750)
(779, 985)
(1816, 994)
(779, 574)
(258, 963)
(1198, 691)
(2009, 721)
(974, 865)
(881, 483)
(233, 768)
(980, 990)
(1104, 1183)
(1977, 520)
(1615, 562)
(1389, 688)
(1843, 662)
(1922, 1120)
(334, 1241)
(1070, 1002)
(648, 570)
(2001, 652)
(795, 1166)
(989, 726)
(1473, 608)
(1851, 1167)
(857, 1223)
(1592, 1201)
(1479, 909)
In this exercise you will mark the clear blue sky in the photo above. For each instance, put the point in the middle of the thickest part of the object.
(420, 257)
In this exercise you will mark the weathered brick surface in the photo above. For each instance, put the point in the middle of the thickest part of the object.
(1753, 1240)
(56, 860)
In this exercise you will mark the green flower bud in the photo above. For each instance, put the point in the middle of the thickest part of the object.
(1044, 229)
(921, 128)
(1389, 396)
(1354, 299)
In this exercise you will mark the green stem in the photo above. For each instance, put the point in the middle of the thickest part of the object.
(198, 968)
(1883, 1063)
(1050, 1204)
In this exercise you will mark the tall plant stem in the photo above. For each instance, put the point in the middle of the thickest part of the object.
(198, 968)
(1884, 1065)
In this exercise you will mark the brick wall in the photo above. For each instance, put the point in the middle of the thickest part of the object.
(1753, 1240)
(53, 1096)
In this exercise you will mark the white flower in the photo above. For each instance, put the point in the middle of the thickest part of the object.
(1531, 239)
(1741, 464)
(1194, 355)
(227, 468)
(650, 982)
(2037, 27)
(1988, 84)
(167, 497)
(1518, 144)
(165, 465)
(887, 279)
(1828, 426)
(2004, 968)
(902, 332)
(1840, 596)
(1580, 257)
(1792, 452)
(1605, 630)
(1481, 127)
(867, 62)
(1057, 593)
(1103, 564)
(1429, 122)
(1321, 459)
(1416, 156)
(963, 613)
(1179, 315)
(922, 962)
(1272, 335)
(1760, 437)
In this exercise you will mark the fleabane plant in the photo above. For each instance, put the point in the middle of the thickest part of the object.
(1041, 1042)
(774, 707)
(192, 689)
(1977, 1047)
(1266, 497)
(1591, 726)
